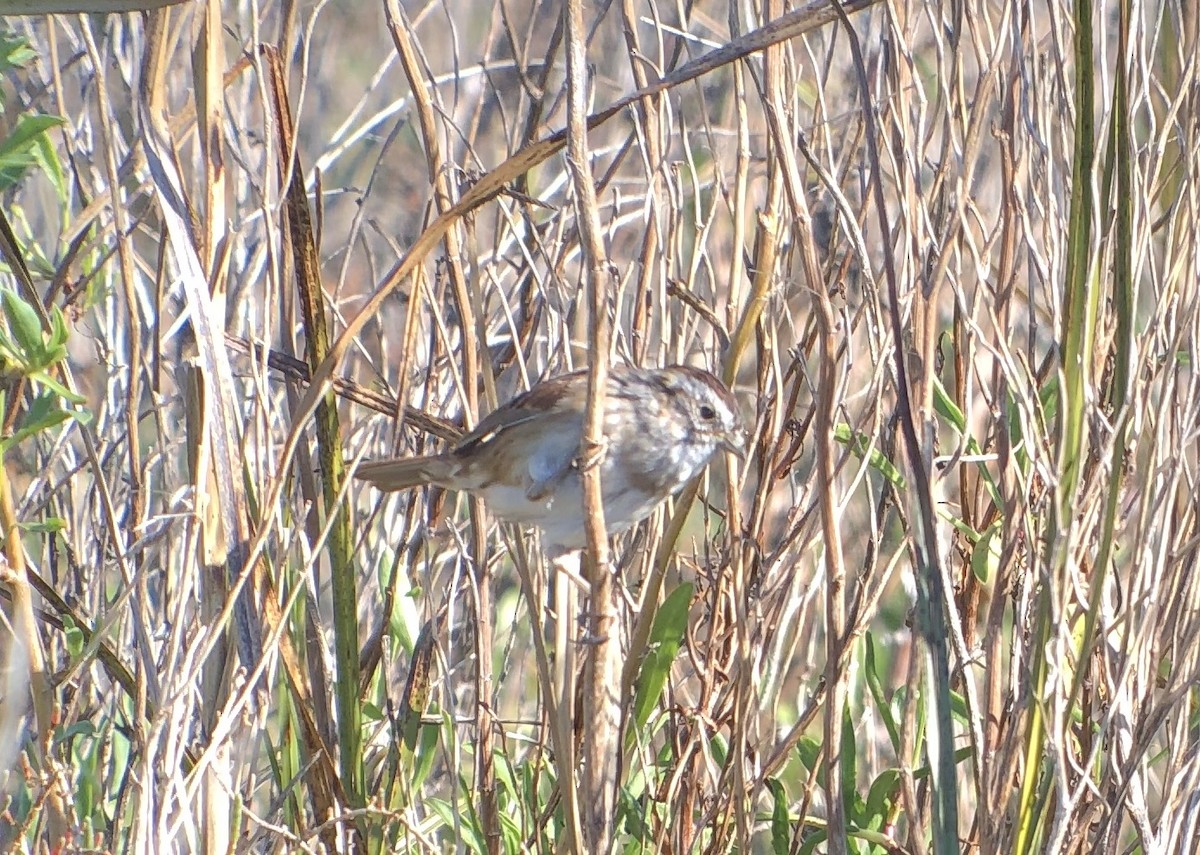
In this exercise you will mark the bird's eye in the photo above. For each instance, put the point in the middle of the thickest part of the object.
(707, 413)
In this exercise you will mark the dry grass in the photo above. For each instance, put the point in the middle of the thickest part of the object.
(948, 603)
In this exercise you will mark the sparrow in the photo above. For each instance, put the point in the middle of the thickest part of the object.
(661, 428)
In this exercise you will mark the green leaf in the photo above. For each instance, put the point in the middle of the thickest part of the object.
(50, 525)
(26, 130)
(880, 799)
(809, 750)
(848, 767)
(861, 445)
(88, 790)
(631, 814)
(781, 826)
(504, 775)
(15, 52)
(58, 327)
(78, 730)
(9, 353)
(984, 554)
(958, 707)
(46, 156)
(463, 823)
(875, 686)
(719, 748)
(510, 832)
(46, 412)
(944, 405)
(81, 416)
(74, 637)
(812, 841)
(22, 148)
(666, 636)
(426, 753)
(26, 329)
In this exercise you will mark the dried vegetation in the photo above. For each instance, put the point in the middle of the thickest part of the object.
(946, 254)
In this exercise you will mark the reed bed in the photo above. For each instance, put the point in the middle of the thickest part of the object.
(945, 254)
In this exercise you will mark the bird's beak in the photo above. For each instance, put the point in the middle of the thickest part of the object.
(735, 443)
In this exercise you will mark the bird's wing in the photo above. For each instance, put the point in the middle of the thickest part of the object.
(555, 396)
(532, 440)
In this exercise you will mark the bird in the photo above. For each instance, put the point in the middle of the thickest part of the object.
(661, 427)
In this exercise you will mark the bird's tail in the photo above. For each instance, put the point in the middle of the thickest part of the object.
(403, 473)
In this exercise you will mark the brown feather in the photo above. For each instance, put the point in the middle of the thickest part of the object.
(545, 397)
(403, 473)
